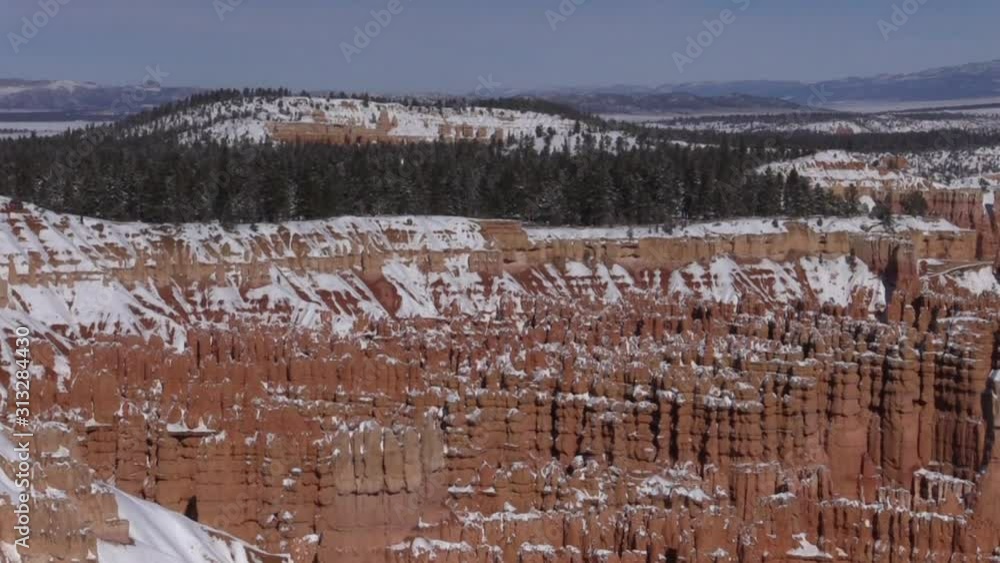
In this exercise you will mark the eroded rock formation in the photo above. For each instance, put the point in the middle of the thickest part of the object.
(411, 390)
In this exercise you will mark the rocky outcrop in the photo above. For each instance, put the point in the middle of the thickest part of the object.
(412, 390)
(644, 430)
(58, 510)
(305, 119)
(971, 209)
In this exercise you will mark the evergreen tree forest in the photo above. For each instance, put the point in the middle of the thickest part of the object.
(804, 140)
(154, 177)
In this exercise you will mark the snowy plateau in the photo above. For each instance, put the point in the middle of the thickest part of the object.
(876, 175)
(350, 120)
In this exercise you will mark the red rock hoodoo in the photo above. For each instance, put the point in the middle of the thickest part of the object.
(413, 390)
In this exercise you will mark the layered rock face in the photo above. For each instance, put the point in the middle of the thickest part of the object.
(969, 209)
(56, 509)
(414, 390)
(304, 119)
(323, 132)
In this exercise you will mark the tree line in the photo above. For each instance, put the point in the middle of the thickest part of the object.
(125, 171)
(917, 141)
(156, 178)
(237, 96)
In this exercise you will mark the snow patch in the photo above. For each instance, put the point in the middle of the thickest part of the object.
(807, 550)
(836, 281)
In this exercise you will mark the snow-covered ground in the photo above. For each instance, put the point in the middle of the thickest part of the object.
(162, 536)
(698, 230)
(248, 119)
(902, 224)
(977, 169)
(833, 281)
(739, 227)
(976, 279)
(834, 123)
(74, 245)
(971, 168)
(158, 535)
(835, 168)
(259, 274)
(88, 249)
(807, 550)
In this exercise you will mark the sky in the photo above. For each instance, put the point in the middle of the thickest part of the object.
(464, 45)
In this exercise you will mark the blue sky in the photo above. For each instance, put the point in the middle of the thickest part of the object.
(450, 44)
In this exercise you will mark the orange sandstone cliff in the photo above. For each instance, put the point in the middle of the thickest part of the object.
(440, 389)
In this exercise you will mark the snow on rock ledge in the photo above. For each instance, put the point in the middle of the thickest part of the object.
(744, 227)
(72, 279)
(337, 121)
(162, 536)
(98, 519)
(831, 281)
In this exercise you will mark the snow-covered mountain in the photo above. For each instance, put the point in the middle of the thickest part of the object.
(10, 86)
(962, 82)
(72, 95)
(968, 81)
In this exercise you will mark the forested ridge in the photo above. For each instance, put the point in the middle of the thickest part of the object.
(155, 177)
(201, 100)
(803, 140)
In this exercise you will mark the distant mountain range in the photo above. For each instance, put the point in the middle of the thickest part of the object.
(964, 82)
(673, 102)
(82, 97)
(974, 80)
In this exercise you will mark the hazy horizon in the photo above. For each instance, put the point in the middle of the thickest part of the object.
(432, 46)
